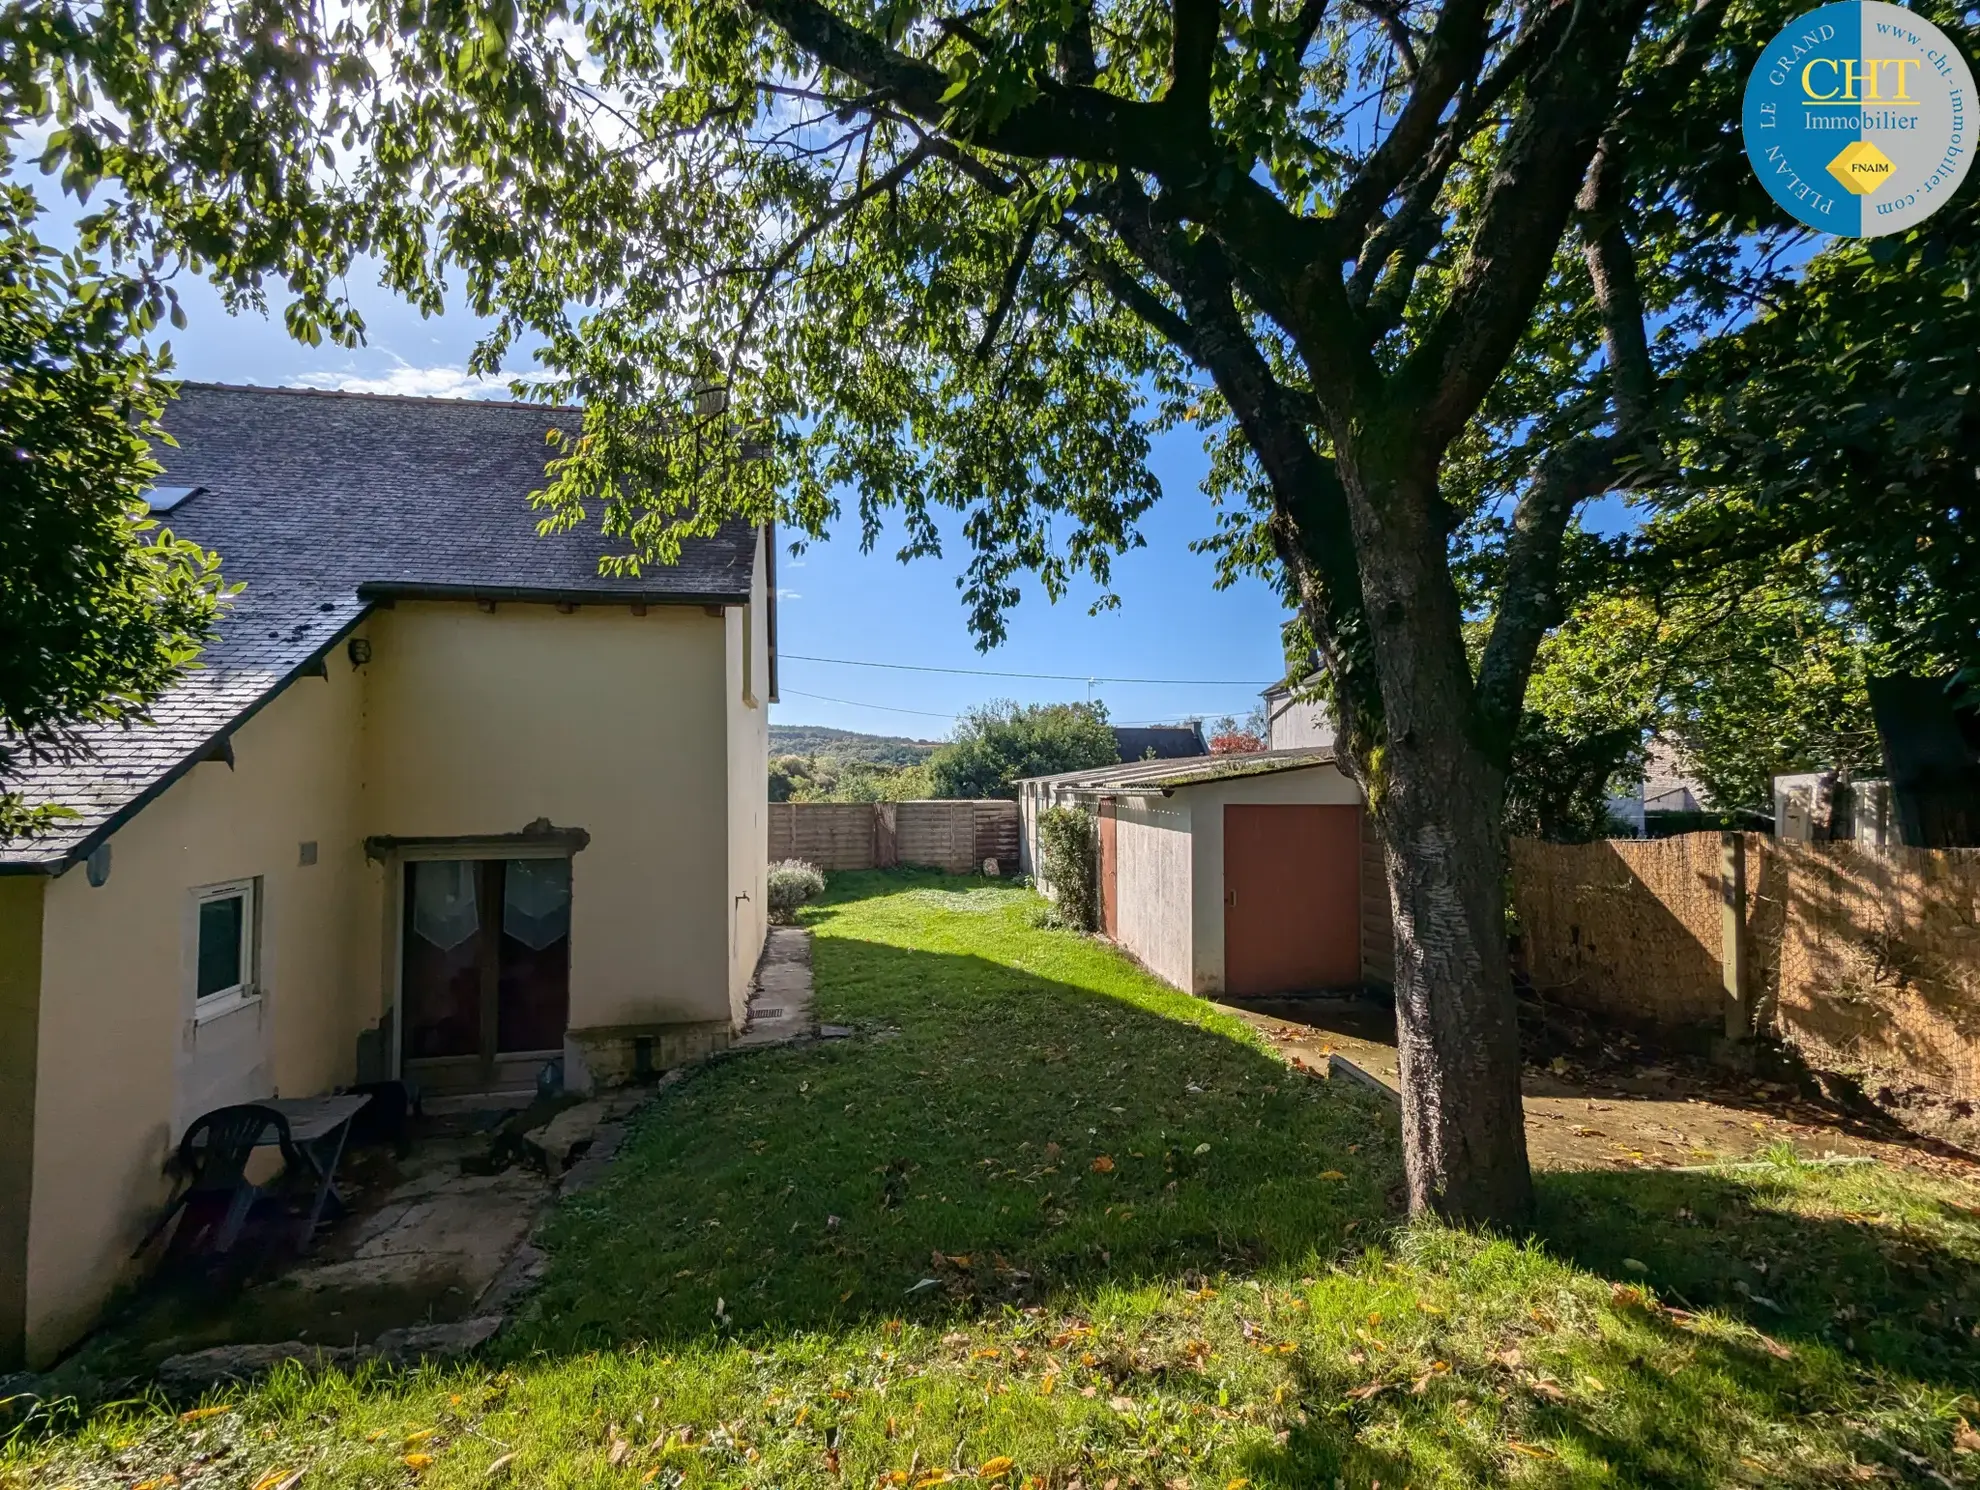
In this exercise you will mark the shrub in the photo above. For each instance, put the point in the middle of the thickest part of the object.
(792, 883)
(1070, 847)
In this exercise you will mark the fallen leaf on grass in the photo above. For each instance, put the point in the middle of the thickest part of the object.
(1965, 1440)
(1531, 1450)
(1121, 1404)
(1047, 1383)
(1372, 1389)
(1102, 1165)
(417, 1461)
(199, 1413)
(620, 1448)
(276, 1477)
(418, 1435)
(1774, 1348)
(990, 1469)
(500, 1465)
(1332, 1174)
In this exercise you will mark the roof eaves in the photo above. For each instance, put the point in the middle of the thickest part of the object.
(83, 847)
(384, 592)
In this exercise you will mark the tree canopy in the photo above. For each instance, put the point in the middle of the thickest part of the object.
(100, 608)
(1001, 743)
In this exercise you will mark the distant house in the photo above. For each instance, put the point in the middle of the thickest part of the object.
(1160, 742)
(443, 803)
(1238, 875)
(1294, 719)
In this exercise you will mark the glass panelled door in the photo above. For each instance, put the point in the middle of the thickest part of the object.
(486, 972)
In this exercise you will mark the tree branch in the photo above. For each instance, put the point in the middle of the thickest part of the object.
(1399, 34)
(1529, 599)
(1457, 47)
(878, 186)
(1532, 191)
(1193, 52)
(1007, 293)
(1611, 265)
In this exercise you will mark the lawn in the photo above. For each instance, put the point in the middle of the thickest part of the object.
(1044, 1221)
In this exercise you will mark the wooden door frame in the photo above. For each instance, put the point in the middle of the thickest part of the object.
(1110, 865)
(401, 852)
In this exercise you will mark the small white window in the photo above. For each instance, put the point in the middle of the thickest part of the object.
(224, 964)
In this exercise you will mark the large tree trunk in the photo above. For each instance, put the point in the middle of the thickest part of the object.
(1464, 1134)
(1436, 797)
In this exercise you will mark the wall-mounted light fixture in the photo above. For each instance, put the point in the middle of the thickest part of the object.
(358, 649)
(96, 868)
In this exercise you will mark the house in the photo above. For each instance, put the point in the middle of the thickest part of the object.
(1295, 719)
(1160, 742)
(1827, 806)
(442, 803)
(1242, 875)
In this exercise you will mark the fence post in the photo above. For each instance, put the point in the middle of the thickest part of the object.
(886, 838)
(1732, 934)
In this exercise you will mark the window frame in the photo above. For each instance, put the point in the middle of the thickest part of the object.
(248, 989)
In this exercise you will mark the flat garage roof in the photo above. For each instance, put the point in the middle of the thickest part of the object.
(1159, 778)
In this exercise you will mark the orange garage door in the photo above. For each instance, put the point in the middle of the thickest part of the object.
(1292, 898)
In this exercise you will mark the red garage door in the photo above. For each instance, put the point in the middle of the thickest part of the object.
(1292, 898)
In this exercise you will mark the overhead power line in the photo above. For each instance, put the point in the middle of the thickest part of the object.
(856, 704)
(988, 672)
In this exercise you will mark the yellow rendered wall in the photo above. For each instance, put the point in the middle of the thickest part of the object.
(20, 1018)
(117, 965)
(482, 722)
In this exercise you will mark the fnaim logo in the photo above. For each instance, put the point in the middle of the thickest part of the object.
(1860, 118)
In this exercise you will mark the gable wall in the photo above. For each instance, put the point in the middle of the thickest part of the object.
(479, 723)
(115, 1023)
(1318, 784)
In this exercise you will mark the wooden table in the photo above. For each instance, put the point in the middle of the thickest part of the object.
(319, 1127)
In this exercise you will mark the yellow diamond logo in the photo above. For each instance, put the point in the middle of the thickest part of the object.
(1861, 167)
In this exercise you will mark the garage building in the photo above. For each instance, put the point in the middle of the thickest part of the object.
(1244, 875)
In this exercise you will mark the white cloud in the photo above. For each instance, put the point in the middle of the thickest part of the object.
(407, 380)
(789, 595)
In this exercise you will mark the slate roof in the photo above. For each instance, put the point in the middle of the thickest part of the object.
(1167, 741)
(322, 504)
(1160, 778)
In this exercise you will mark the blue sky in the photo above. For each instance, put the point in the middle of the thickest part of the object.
(839, 603)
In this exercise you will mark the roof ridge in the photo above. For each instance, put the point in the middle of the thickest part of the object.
(399, 398)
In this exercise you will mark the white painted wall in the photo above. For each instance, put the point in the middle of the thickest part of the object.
(1315, 784)
(747, 638)
(1294, 724)
(1153, 869)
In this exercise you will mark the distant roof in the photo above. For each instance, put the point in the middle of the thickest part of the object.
(1168, 742)
(322, 504)
(1136, 778)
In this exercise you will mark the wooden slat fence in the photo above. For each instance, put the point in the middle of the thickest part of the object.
(1864, 957)
(952, 836)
